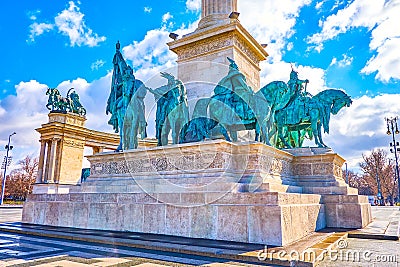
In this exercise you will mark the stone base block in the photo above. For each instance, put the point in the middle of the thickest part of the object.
(264, 218)
(347, 211)
(245, 192)
(51, 189)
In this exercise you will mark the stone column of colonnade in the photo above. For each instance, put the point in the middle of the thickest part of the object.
(47, 167)
(47, 161)
(40, 173)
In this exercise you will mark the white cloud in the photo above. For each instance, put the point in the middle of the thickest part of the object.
(271, 22)
(97, 64)
(280, 71)
(69, 22)
(361, 127)
(167, 16)
(33, 14)
(319, 5)
(37, 29)
(379, 16)
(24, 112)
(193, 5)
(345, 61)
(333, 62)
(151, 54)
(147, 9)
(360, 13)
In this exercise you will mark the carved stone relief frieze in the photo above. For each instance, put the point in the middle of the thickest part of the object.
(74, 143)
(205, 46)
(162, 163)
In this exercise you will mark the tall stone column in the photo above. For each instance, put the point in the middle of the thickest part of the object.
(52, 160)
(216, 12)
(210, 7)
(39, 177)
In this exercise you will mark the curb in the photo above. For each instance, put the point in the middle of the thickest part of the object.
(11, 206)
(373, 236)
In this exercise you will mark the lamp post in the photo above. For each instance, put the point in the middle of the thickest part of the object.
(8, 147)
(378, 182)
(392, 129)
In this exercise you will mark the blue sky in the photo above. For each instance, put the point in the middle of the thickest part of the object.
(351, 45)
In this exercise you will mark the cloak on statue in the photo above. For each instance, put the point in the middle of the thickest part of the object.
(234, 92)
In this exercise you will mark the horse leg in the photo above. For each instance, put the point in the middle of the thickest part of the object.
(314, 127)
(320, 134)
(224, 132)
(257, 130)
(164, 133)
(134, 133)
(265, 135)
(234, 135)
(281, 137)
(299, 138)
(174, 133)
(119, 148)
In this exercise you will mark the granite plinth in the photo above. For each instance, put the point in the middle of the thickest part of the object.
(246, 192)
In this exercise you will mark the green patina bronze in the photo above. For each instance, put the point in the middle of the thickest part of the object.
(234, 107)
(281, 114)
(172, 109)
(309, 116)
(70, 103)
(76, 106)
(126, 104)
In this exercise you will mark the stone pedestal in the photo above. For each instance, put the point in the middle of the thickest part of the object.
(216, 190)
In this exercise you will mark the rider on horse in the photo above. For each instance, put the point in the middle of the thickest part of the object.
(299, 98)
(233, 91)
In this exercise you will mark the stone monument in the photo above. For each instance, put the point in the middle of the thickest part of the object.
(234, 191)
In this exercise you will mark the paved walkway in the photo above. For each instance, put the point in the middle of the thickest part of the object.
(385, 223)
(374, 246)
(20, 250)
(10, 214)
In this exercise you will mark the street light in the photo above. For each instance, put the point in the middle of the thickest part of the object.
(393, 129)
(7, 162)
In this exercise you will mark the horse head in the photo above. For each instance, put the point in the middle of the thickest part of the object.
(343, 100)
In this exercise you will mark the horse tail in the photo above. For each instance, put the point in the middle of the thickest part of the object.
(200, 109)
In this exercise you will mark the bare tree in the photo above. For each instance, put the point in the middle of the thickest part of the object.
(357, 181)
(376, 167)
(20, 181)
